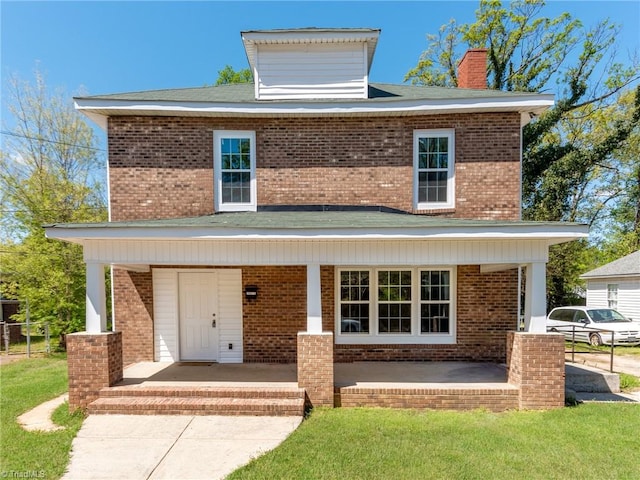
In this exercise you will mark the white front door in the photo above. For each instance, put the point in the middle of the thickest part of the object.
(198, 316)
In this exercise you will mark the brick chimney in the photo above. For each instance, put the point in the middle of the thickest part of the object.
(472, 69)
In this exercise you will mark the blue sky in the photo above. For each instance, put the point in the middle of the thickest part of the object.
(108, 47)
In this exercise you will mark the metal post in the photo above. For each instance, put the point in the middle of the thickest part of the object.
(611, 365)
(6, 336)
(47, 338)
(28, 332)
(573, 344)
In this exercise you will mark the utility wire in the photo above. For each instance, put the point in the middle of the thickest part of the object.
(5, 132)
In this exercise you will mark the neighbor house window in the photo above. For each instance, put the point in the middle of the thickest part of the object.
(395, 305)
(612, 295)
(433, 165)
(234, 167)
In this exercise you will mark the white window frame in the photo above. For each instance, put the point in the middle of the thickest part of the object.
(219, 205)
(612, 295)
(450, 203)
(415, 337)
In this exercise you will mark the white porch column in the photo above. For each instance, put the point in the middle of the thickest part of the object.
(314, 299)
(535, 298)
(96, 320)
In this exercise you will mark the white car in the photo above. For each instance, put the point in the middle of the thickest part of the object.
(594, 325)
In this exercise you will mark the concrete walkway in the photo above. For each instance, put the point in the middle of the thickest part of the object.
(139, 447)
(39, 418)
(621, 363)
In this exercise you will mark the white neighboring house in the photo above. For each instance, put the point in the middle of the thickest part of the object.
(616, 285)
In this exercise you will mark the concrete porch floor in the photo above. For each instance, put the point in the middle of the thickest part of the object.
(360, 374)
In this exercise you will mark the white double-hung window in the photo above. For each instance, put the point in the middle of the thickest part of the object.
(395, 305)
(234, 155)
(433, 169)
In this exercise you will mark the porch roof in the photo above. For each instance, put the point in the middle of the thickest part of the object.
(318, 224)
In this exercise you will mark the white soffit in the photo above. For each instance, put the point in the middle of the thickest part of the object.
(99, 109)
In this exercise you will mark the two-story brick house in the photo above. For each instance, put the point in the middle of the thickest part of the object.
(315, 217)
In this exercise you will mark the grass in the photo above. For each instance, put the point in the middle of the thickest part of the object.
(633, 351)
(25, 384)
(592, 441)
(629, 383)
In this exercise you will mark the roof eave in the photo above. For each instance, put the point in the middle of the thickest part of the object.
(610, 275)
(99, 110)
(551, 235)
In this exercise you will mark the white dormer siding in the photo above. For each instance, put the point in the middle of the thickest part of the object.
(310, 63)
(311, 71)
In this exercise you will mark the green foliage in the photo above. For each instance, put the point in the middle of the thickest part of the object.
(382, 443)
(26, 384)
(47, 175)
(580, 157)
(228, 75)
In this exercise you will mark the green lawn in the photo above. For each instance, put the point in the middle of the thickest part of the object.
(594, 441)
(23, 385)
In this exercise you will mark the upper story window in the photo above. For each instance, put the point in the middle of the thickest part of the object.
(235, 170)
(433, 169)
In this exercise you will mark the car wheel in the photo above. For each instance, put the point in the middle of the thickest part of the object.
(595, 340)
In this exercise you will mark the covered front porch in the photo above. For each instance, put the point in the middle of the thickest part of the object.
(212, 388)
(453, 284)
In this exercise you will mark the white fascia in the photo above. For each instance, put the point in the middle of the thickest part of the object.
(99, 109)
(551, 233)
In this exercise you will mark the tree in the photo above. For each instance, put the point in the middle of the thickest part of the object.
(566, 157)
(48, 174)
(228, 75)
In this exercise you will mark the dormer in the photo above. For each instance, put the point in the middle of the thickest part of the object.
(311, 63)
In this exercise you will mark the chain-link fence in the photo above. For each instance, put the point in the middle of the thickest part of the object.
(25, 338)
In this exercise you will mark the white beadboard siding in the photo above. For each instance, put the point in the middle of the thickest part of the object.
(230, 315)
(165, 312)
(326, 252)
(306, 71)
(165, 315)
(628, 295)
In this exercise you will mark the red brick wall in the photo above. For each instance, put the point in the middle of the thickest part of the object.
(315, 368)
(536, 366)
(133, 309)
(94, 361)
(271, 323)
(162, 167)
(486, 310)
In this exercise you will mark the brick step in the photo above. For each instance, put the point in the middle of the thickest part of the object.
(156, 405)
(496, 399)
(203, 392)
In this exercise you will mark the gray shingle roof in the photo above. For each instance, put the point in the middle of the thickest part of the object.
(245, 93)
(625, 266)
(312, 219)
